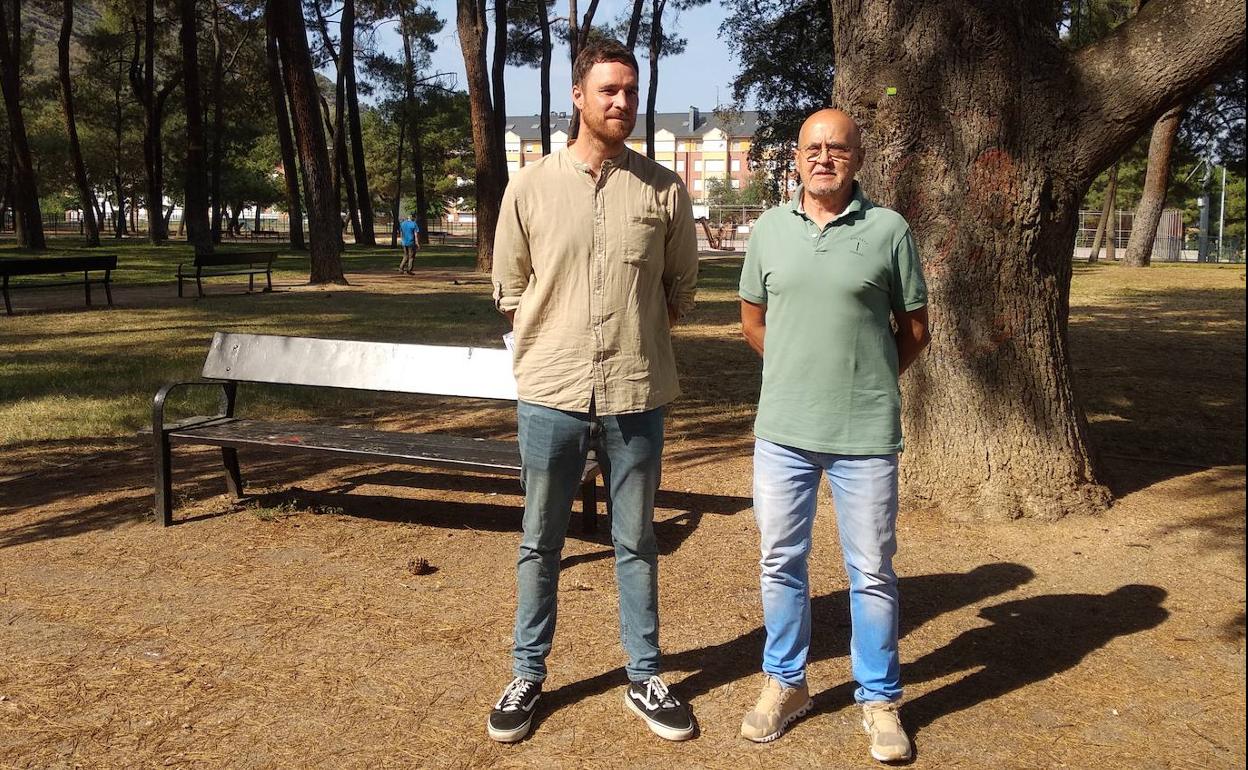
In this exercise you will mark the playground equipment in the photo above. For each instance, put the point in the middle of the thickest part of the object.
(715, 238)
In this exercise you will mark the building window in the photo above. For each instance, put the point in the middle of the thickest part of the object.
(715, 166)
(714, 145)
(680, 164)
(744, 145)
(534, 148)
(736, 184)
(665, 164)
(513, 165)
(697, 185)
(736, 164)
(697, 165)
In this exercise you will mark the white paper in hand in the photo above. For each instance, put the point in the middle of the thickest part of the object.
(509, 339)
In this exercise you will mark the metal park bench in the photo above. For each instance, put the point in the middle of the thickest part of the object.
(248, 263)
(478, 373)
(59, 266)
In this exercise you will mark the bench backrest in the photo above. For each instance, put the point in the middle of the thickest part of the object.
(67, 264)
(235, 258)
(382, 366)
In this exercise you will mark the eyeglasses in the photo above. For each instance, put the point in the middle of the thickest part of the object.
(814, 152)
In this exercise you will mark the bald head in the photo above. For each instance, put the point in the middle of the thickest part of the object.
(831, 121)
(829, 154)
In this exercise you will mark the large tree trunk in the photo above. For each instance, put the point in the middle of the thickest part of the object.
(1107, 224)
(578, 35)
(1156, 181)
(987, 145)
(470, 21)
(85, 195)
(290, 172)
(195, 207)
(25, 190)
(634, 24)
(396, 210)
(324, 226)
(363, 198)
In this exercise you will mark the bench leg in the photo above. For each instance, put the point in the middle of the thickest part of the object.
(164, 480)
(589, 506)
(199, 284)
(8, 307)
(233, 475)
(268, 281)
(108, 289)
(86, 282)
(251, 282)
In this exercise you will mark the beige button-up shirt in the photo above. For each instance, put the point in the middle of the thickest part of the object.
(590, 267)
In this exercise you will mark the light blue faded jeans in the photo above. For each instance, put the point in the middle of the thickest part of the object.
(864, 490)
(553, 445)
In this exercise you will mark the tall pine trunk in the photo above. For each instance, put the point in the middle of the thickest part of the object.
(324, 226)
(290, 171)
(1107, 223)
(363, 198)
(652, 92)
(195, 210)
(85, 195)
(28, 219)
(497, 70)
(547, 51)
(218, 119)
(471, 23)
(1153, 199)
(411, 112)
(985, 133)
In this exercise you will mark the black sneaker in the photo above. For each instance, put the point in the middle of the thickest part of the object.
(664, 715)
(513, 714)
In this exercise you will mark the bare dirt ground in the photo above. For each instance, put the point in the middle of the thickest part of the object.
(290, 631)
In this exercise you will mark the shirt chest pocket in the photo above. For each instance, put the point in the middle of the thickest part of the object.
(641, 236)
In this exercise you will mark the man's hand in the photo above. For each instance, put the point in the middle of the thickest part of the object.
(754, 324)
(912, 336)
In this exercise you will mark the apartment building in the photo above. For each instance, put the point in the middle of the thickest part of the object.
(696, 145)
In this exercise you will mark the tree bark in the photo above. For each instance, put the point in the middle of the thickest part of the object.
(1156, 181)
(195, 206)
(987, 143)
(290, 171)
(364, 202)
(25, 190)
(634, 24)
(578, 35)
(472, 26)
(324, 226)
(85, 194)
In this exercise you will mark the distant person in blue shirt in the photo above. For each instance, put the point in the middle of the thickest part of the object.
(408, 234)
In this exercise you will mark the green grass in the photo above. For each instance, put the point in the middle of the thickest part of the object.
(142, 264)
(1158, 353)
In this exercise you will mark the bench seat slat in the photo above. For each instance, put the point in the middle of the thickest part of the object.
(417, 448)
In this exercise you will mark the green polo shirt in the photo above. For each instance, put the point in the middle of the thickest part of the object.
(830, 358)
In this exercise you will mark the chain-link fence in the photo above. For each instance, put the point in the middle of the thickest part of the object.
(1172, 243)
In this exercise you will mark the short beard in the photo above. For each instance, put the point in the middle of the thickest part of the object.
(829, 187)
(609, 131)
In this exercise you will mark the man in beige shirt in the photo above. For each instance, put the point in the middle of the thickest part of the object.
(595, 257)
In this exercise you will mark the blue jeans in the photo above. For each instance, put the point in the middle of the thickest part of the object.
(553, 444)
(864, 490)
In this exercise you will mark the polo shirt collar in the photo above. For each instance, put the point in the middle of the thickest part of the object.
(855, 203)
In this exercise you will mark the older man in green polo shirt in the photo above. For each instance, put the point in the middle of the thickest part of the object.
(826, 277)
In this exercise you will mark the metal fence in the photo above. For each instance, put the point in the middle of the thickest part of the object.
(1173, 243)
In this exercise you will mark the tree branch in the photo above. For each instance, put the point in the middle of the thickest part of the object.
(1165, 54)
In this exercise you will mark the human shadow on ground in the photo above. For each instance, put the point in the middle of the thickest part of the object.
(1028, 641)
(923, 598)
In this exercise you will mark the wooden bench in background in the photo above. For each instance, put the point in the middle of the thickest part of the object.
(59, 266)
(475, 373)
(248, 263)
